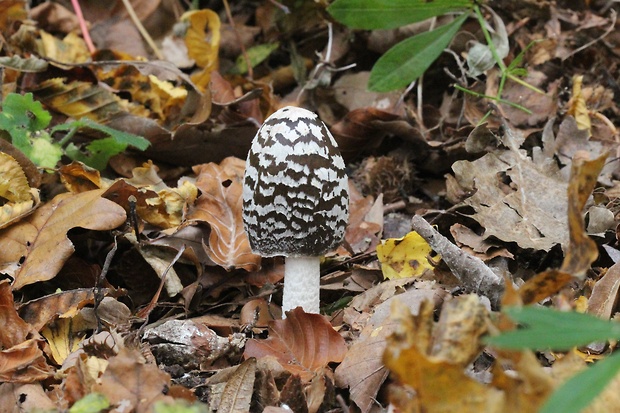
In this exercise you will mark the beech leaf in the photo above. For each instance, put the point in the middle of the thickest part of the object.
(220, 206)
(302, 343)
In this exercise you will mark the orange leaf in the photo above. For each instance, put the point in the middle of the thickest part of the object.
(220, 206)
(36, 248)
(302, 343)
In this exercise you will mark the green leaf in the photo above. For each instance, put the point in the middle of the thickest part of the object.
(545, 328)
(22, 111)
(579, 391)
(98, 152)
(409, 59)
(388, 14)
(91, 403)
(121, 137)
(256, 55)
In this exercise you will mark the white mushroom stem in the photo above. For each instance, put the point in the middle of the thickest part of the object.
(302, 276)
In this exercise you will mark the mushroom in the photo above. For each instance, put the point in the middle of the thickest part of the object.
(295, 199)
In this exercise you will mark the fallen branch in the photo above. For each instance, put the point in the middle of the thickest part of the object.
(471, 271)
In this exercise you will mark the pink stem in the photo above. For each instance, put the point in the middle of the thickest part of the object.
(85, 34)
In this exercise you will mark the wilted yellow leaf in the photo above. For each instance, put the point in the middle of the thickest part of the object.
(404, 257)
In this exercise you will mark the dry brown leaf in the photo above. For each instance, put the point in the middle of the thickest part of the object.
(237, 394)
(78, 177)
(14, 329)
(220, 206)
(604, 297)
(362, 370)
(64, 304)
(364, 228)
(293, 396)
(21, 358)
(530, 210)
(302, 343)
(25, 398)
(131, 384)
(37, 247)
(357, 132)
(581, 251)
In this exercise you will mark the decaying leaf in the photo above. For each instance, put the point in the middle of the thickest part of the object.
(220, 206)
(405, 257)
(302, 343)
(38, 246)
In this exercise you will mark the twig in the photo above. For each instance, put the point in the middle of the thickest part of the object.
(147, 37)
(83, 28)
(471, 271)
(98, 295)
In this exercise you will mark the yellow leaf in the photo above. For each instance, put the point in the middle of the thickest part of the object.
(71, 49)
(404, 257)
(203, 41)
(21, 199)
(63, 337)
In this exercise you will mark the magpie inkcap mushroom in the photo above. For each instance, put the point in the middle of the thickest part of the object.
(295, 199)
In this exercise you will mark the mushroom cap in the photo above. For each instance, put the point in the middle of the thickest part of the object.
(295, 190)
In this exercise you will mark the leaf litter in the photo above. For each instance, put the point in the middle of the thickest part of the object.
(127, 280)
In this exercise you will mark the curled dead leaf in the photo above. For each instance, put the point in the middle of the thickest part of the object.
(302, 343)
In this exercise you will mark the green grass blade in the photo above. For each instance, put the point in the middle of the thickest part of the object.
(409, 59)
(388, 14)
(579, 391)
(545, 328)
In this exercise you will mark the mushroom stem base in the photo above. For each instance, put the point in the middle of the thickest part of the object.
(302, 277)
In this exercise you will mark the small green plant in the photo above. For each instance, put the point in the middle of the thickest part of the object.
(543, 329)
(26, 122)
(409, 59)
